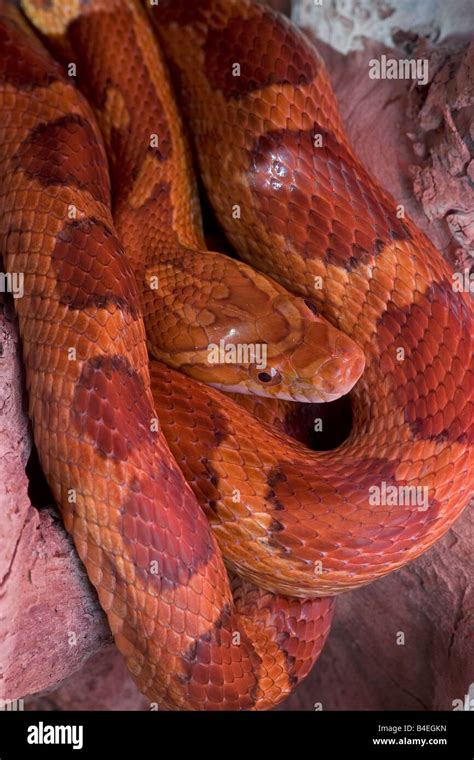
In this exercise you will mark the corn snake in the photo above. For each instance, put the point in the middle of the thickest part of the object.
(379, 288)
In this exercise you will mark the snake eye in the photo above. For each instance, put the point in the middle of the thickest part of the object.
(270, 378)
(311, 306)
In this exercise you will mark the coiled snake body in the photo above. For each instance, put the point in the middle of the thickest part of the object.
(292, 521)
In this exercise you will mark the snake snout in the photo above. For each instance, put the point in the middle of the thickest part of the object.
(326, 364)
(341, 371)
(345, 366)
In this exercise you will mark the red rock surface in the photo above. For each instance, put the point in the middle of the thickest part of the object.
(53, 635)
(50, 619)
(103, 683)
(444, 177)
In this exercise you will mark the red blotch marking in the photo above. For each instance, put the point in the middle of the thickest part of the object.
(128, 147)
(180, 12)
(219, 673)
(302, 627)
(23, 64)
(269, 50)
(161, 521)
(92, 268)
(319, 200)
(397, 522)
(434, 384)
(167, 537)
(299, 627)
(66, 152)
(111, 408)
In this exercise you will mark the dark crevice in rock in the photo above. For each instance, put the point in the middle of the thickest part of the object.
(39, 492)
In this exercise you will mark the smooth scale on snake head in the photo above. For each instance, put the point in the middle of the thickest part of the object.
(268, 343)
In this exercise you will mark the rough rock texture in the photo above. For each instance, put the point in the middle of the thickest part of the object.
(53, 635)
(103, 683)
(50, 619)
(444, 140)
(347, 24)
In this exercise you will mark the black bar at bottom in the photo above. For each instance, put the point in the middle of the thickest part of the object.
(312, 734)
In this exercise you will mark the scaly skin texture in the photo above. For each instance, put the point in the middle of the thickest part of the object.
(191, 299)
(310, 212)
(294, 521)
(137, 527)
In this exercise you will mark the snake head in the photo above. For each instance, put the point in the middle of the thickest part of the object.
(240, 331)
(319, 362)
(290, 352)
